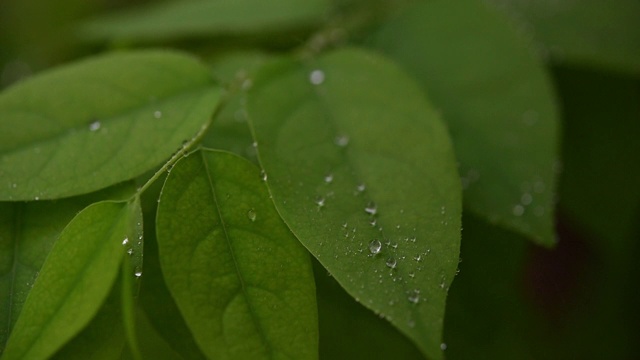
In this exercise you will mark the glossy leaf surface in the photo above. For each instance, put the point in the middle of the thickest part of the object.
(74, 281)
(498, 103)
(102, 120)
(361, 169)
(241, 280)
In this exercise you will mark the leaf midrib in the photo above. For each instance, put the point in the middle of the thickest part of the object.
(243, 286)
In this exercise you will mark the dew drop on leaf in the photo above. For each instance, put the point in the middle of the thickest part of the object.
(95, 126)
(316, 77)
(518, 210)
(361, 187)
(138, 273)
(375, 246)
(414, 296)
(125, 241)
(328, 178)
(341, 140)
(371, 208)
(251, 214)
(391, 262)
(157, 114)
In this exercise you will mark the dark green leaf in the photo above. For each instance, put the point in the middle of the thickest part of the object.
(98, 122)
(582, 32)
(497, 100)
(362, 170)
(170, 20)
(74, 280)
(27, 234)
(240, 278)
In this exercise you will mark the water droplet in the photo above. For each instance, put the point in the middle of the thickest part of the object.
(316, 77)
(414, 296)
(418, 258)
(443, 346)
(14, 185)
(125, 241)
(526, 199)
(251, 214)
(138, 273)
(320, 201)
(263, 175)
(373, 222)
(341, 140)
(412, 274)
(411, 323)
(130, 251)
(328, 178)
(518, 210)
(538, 187)
(36, 198)
(371, 208)
(247, 84)
(375, 246)
(345, 225)
(157, 114)
(391, 262)
(442, 210)
(361, 187)
(95, 126)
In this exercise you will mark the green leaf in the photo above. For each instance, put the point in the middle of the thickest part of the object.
(240, 278)
(28, 231)
(362, 170)
(582, 32)
(100, 121)
(497, 100)
(74, 280)
(103, 338)
(179, 19)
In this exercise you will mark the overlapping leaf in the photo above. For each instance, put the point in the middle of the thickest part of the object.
(362, 170)
(28, 231)
(170, 20)
(241, 280)
(74, 280)
(98, 122)
(497, 100)
(582, 32)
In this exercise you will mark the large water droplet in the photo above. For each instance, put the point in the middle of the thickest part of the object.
(316, 77)
(251, 214)
(95, 126)
(391, 262)
(371, 208)
(375, 246)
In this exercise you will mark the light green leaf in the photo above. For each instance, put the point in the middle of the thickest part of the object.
(100, 121)
(582, 32)
(240, 278)
(27, 234)
(498, 102)
(362, 170)
(179, 19)
(74, 280)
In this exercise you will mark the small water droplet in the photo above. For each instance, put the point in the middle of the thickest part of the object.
(263, 175)
(361, 187)
(157, 114)
(375, 246)
(36, 198)
(328, 178)
(138, 273)
(95, 126)
(320, 201)
(411, 323)
(518, 210)
(526, 199)
(371, 208)
(414, 296)
(373, 222)
(341, 140)
(130, 251)
(418, 258)
(391, 262)
(125, 241)
(251, 214)
(14, 185)
(412, 274)
(442, 210)
(443, 346)
(316, 77)
(247, 84)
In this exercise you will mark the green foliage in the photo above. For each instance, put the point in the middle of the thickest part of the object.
(287, 180)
